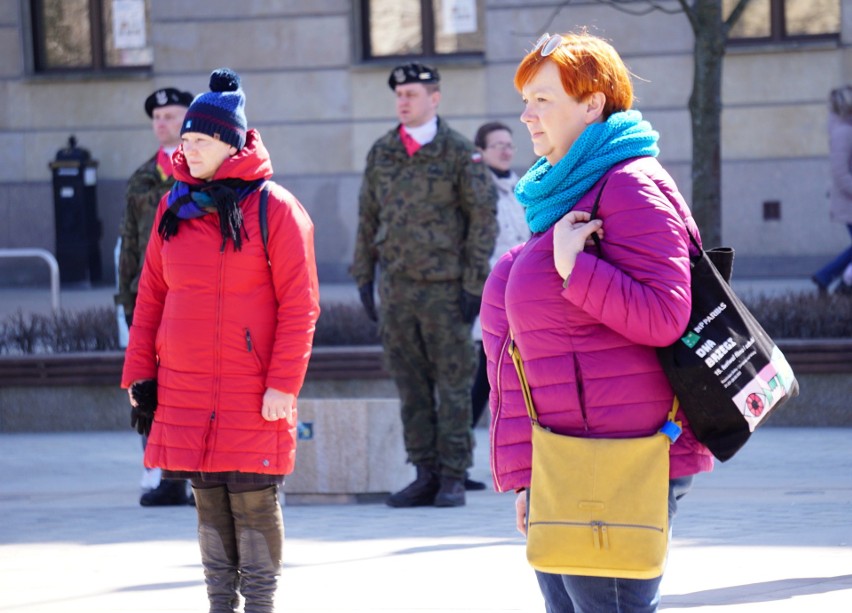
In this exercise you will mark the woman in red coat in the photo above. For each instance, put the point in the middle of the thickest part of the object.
(225, 324)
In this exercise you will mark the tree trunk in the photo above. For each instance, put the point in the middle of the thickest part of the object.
(705, 106)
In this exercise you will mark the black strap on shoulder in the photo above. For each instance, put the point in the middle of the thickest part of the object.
(595, 236)
(264, 222)
(598, 240)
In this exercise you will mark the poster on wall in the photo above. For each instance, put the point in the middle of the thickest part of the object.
(128, 24)
(459, 16)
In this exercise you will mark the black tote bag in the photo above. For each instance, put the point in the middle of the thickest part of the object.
(726, 371)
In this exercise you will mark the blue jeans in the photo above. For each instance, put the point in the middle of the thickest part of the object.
(576, 594)
(828, 273)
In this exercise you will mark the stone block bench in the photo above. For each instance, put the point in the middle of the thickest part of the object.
(351, 439)
(349, 449)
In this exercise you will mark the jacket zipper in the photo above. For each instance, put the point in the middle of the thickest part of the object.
(600, 529)
(495, 419)
(254, 354)
(217, 367)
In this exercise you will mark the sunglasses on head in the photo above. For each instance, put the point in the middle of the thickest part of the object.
(547, 43)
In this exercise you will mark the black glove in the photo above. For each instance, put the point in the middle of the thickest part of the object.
(470, 304)
(142, 415)
(366, 293)
(128, 319)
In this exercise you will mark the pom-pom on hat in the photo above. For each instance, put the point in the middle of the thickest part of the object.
(220, 113)
(412, 73)
(165, 97)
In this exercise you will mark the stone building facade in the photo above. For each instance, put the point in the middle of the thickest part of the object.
(319, 101)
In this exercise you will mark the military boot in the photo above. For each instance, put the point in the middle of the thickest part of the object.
(218, 542)
(471, 485)
(260, 538)
(420, 492)
(451, 492)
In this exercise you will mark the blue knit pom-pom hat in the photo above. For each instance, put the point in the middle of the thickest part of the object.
(220, 113)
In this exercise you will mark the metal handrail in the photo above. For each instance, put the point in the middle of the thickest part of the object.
(48, 257)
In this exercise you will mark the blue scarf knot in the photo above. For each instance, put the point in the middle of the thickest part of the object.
(548, 192)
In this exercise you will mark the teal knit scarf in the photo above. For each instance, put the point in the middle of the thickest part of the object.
(548, 192)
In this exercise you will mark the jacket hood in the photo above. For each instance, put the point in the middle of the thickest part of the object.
(249, 164)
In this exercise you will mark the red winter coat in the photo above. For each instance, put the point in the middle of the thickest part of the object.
(216, 329)
(589, 350)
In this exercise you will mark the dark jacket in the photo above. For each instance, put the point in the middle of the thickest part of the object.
(428, 217)
(145, 189)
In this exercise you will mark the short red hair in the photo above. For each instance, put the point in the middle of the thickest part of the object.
(586, 64)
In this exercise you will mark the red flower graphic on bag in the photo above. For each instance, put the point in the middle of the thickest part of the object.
(755, 404)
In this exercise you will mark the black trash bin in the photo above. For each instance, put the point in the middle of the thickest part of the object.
(78, 229)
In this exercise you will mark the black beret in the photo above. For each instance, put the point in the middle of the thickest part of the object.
(412, 73)
(166, 97)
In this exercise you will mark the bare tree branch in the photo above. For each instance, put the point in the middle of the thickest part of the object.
(734, 16)
(651, 6)
(620, 5)
(690, 14)
(553, 15)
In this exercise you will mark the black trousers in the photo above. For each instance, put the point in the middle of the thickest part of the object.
(480, 390)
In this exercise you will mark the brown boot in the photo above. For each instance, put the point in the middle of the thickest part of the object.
(420, 492)
(218, 542)
(260, 538)
(451, 492)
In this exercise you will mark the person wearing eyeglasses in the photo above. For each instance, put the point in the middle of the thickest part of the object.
(221, 337)
(588, 320)
(494, 139)
(426, 218)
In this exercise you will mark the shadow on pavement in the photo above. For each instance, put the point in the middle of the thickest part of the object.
(767, 591)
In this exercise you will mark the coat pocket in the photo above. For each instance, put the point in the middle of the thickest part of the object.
(250, 347)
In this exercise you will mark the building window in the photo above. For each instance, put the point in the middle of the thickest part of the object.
(91, 35)
(785, 20)
(422, 28)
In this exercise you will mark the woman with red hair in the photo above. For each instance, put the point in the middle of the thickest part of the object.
(586, 318)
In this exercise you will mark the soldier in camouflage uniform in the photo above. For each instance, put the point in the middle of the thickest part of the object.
(427, 217)
(166, 108)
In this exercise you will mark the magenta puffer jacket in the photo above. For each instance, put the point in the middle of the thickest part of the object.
(589, 349)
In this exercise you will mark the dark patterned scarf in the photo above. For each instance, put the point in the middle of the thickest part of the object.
(190, 201)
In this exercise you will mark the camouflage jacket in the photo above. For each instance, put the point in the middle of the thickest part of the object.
(144, 190)
(428, 217)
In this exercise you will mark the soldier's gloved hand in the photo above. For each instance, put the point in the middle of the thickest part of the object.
(470, 304)
(143, 405)
(366, 293)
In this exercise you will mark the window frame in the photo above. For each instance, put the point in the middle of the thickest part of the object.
(428, 36)
(97, 45)
(777, 33)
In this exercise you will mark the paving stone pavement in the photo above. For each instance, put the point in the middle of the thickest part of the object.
(768, 532)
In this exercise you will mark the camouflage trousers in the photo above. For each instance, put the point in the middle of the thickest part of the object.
(429, 352)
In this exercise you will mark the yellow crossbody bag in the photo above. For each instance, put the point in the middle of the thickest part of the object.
(597, 507)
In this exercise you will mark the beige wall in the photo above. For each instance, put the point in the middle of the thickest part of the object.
(319, 110)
